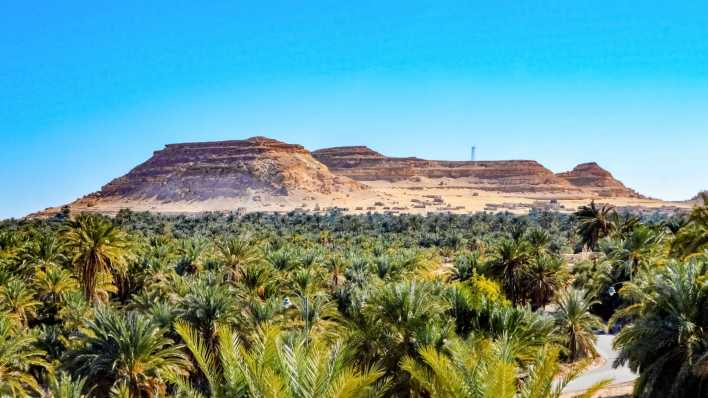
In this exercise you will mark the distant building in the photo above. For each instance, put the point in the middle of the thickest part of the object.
(472, 153)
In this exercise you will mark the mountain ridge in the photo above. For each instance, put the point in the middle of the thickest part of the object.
(263, 174)
(365, 164)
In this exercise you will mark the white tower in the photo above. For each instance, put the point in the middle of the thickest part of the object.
(472, 158)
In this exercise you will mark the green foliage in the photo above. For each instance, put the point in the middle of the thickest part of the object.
(594, 223)
(125, 349)
(576, 324)
(334, 305)
(66, 387)
(17, 356)
(96, 247)
(668, 340)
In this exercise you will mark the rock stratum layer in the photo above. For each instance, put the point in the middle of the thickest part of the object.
(226, 169)
(364, 164)
(262, 174)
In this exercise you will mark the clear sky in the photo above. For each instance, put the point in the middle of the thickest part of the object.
(88, 89)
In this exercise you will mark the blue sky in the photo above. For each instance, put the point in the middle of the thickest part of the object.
(90, 89)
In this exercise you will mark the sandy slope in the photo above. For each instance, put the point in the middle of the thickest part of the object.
(415, 197)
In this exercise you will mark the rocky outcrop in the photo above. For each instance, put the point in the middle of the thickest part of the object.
(206, 170)
(364, 164)
(262, 174)
(592, 177)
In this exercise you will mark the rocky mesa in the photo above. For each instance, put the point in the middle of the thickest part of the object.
(263, 174)
(208, 170)
(364, 164)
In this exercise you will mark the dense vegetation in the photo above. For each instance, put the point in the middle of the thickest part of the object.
(334, 305)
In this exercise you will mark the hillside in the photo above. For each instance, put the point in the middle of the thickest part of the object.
(231, 169)
(364, 164)
(262, 174)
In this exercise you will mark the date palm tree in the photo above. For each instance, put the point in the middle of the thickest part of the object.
(314, 314)
(692, 239)
(274, 367)
(18, 299)
(595, 222)
(236, 254)
(465, 266)
(667, 344)
(125, 349)
(17, 355)
(66, 387)
(207, 305)
(539, 239)
(575, 323)
(96, 246)
(52, 283)
(406, 308)
(639, 248)
(47, 249)
(510, 258)
(397, 319)
(543, 277)
(483, 369)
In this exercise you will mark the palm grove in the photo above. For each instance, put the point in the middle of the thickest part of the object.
(335, 305)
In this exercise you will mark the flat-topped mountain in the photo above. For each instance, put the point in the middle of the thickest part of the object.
(364, 164)
(262, 174)
(208, 170)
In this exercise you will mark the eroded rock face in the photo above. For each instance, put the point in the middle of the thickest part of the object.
(262, 174)
(364, 164)
(206, 170)
(592, 177)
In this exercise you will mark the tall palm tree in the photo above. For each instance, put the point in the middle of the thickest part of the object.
(17, 355)
(667, 344)
(692, 239)
(395, 321)
(258, 279)
(543, 277)
(96, 246)
(575, 323)
(539, 239)
(523, 332)
(406, 308)
(594, 223)
(283, 259)
(510, 258)
(274, 367)
(639, 248)
(131, 350)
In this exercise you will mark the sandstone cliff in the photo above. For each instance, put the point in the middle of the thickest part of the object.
(592, 177)
(262, 174)
(207, 170)
(364, 164)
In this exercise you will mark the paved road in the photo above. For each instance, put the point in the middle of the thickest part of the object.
(619, 375)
